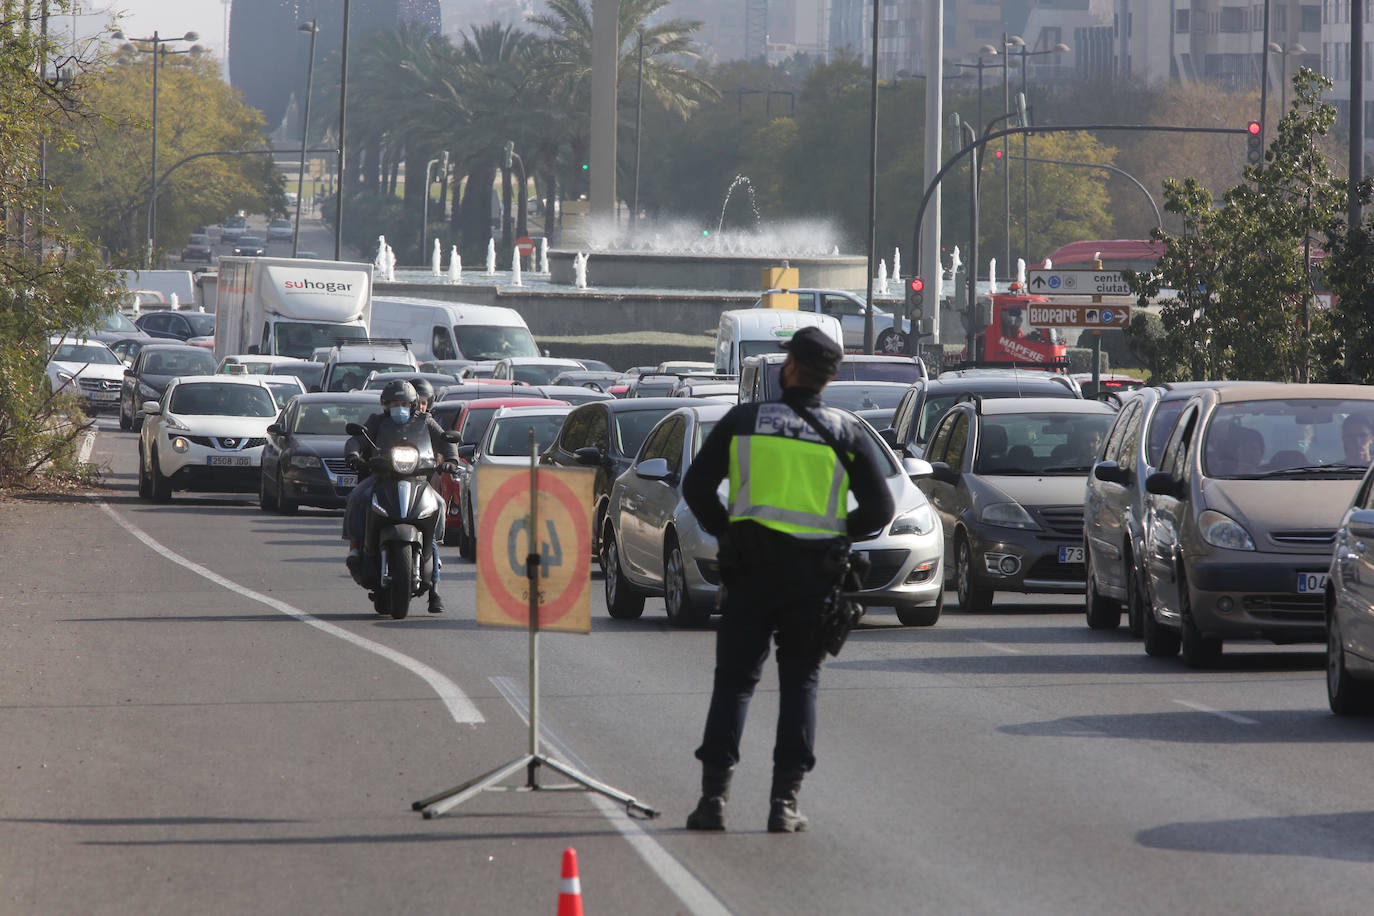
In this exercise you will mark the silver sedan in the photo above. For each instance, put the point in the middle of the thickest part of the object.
(652, 544)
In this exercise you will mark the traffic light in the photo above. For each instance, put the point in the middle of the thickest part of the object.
(915, 298)
(1254, 150)
(509, 153)
(997, 162)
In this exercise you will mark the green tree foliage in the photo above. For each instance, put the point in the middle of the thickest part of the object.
(1242, 303)
(51, 280)
(105, 173)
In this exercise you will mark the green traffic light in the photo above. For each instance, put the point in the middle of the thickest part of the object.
(706, 232)
(585, 166)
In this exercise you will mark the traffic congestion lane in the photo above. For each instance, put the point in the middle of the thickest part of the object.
(1009, 760)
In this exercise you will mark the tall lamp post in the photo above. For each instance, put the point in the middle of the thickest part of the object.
(1060, 48)
(343, 109)
(313, 29)
(639, 121)
(442, 162)
(1008, 43)
(1284, 50)
(157, 42)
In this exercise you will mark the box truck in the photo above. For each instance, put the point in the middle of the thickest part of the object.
(290, 306)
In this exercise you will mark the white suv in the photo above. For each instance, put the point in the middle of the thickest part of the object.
(233, 229)
(279, 230)
(206, 433)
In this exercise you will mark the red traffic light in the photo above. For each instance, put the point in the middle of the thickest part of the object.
(997, 154)
(917, 285)
(1253, 128)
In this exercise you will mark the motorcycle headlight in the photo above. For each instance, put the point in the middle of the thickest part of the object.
(305, 461)
(1223, 531)
(919, 521)
(405, 459)
(1008, 515)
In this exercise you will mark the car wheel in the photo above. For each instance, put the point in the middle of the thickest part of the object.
(622, 601)
(161, 486)
(137, 423)
(1136, 605)
(596, 536)
(267, 501)
(915, 615)
(145, 483)
(467, 541)
(1102, 613)
(972, 593)
(891, 342)
(126, 423)
(1160, 641)
(285, 506)
(1199, 651)
(1346, 695)
(682, 610)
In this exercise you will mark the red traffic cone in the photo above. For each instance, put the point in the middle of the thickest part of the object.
(570, 894)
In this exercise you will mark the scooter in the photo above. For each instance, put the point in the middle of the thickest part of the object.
(398, 549)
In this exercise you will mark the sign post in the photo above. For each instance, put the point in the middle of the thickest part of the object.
(554, 596)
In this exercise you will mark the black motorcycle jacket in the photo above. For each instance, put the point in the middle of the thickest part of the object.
(386, 432)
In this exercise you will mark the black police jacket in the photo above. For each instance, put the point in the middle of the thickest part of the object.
(866, 480)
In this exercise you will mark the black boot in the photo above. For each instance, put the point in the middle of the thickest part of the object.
(715, 791)
(436, 604)
(783, 816)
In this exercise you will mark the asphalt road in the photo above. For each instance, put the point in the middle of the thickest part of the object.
(202, 714)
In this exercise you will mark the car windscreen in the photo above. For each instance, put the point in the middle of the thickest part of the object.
(352, 376)
(1293, 437)
(316, 419)
(486, 341)
(299, 339)
(1161, 424)
(202, 323)
(217, 399)
(199, 240)
(283, 391)
(1040, 443)
(114, 321)
(937, 402)
(858, 396)
(309, 373)
(511, 435)
(535, 375)
(862, 371)
(633, 426)
(475, 423)
(190, 361)
(85, 353)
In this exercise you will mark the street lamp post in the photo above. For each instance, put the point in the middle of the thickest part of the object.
(1284, 50)
(343, 110)
(1060, 48)
(639, 120)
(157, 41)
(424, 219)
(1008, 42)
(313, 29)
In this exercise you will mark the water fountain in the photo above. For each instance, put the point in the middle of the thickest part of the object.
(896, 263)
(379, 262)
(455, 266)
(515, 270)
(881, 288)
(543, 254)
(436, 267)
(491, 257)
(580, 270)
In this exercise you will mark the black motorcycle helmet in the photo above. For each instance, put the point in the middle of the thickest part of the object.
(398, 390)
(424, 389)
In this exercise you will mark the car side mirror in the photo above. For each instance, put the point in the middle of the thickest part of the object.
(590, 456)
(652, 469)
(889, 436)
(917, 469)
(943, 472)
(1361, 523)
(467, 452)
(1161, 483)
(129, 372)
(274, 429)
(151, 408)
(354, 429)
(1111, 472)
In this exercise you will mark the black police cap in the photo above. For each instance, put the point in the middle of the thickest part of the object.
(813, 347)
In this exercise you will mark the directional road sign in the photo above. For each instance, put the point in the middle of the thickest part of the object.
(1061, 315)
(1077, 283)
(563, 543)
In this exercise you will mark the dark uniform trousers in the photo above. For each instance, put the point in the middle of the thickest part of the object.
(779, 601)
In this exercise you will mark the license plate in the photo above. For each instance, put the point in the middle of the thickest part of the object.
(229, 461)
(347, 480)
(1309, 583)
(1070, 554)
(105, 396)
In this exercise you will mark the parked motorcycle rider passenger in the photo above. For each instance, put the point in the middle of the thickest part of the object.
(396, 420)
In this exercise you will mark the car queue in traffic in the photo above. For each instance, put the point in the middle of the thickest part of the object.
(1199, 513)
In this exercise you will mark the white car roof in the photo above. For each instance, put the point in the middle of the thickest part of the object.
(541, 361)
(230, 379)
(534, 411)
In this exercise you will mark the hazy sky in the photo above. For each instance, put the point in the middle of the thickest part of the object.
(141, 18)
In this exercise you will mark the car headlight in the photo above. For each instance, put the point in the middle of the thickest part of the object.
(405, 459)
(919, 521)
(305, 461)
(1007, 515)
(66, 378)
(1223, 531)
(171, 422)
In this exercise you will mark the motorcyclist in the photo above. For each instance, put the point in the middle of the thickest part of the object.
(424, 392)
(397, 419)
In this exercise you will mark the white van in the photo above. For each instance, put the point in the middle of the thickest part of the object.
(753, 332)
(452, 330)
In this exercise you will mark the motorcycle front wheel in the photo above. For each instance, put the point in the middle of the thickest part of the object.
(399, 564)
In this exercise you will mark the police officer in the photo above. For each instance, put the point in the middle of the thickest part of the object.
(787, 513)
(398, 410)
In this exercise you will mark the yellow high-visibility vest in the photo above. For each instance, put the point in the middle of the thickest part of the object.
(785, 477)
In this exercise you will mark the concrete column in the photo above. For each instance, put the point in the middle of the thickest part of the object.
(605, 60)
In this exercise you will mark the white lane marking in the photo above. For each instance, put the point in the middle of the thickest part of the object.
(87, 444)
(1228, 716)
(684, 885)
(1000, 648)
(457, 702)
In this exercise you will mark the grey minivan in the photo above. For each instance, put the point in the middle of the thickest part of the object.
(1243, 511)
